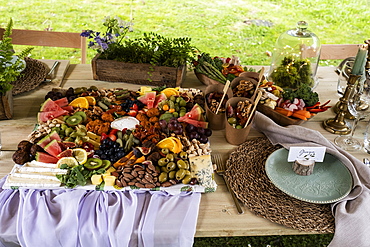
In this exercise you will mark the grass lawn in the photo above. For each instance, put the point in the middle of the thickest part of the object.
(221, 28)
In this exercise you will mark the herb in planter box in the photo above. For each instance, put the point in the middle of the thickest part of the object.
(11, 65)
(152, 48)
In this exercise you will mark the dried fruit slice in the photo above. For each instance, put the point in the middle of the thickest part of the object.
(70, 161)
(81, 102)
(65, 153)
(80, 155)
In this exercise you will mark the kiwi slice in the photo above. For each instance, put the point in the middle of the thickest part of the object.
(73, 120)
(93, 163)
(82, 114)
(106, 164)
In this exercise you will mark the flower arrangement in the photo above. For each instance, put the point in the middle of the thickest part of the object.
(11, 65)
(151, 48)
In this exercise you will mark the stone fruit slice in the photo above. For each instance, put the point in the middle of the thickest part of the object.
(65, 153)
(53, 148)
(45, 158)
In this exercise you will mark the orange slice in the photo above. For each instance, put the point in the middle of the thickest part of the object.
(80, 102)
(170, 91)
(172, 143)
(91, 100)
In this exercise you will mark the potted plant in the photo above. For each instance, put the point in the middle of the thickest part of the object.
(150, 59)
(11, 66)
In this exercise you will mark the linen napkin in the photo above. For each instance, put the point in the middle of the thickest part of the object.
(352, 213)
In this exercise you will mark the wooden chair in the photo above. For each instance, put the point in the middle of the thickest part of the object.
(49, 38)
(335, 51)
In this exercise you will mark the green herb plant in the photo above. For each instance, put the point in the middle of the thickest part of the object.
(11, 65)
(152, 48)
(304, 92)
(292, 73)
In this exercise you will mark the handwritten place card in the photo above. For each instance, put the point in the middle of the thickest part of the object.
(306, 153)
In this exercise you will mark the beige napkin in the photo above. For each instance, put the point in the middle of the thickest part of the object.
(352, 214)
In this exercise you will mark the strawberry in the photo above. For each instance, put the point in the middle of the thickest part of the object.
(132, 113)
(135, 107)
(113, 137)
(103, 136)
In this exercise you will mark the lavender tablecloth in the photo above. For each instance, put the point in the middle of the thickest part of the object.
(69, 218)
(352, 213)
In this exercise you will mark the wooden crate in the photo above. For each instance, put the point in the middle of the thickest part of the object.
(137, 73)
(6, 105)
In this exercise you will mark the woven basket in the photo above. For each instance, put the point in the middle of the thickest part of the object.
(31, 77)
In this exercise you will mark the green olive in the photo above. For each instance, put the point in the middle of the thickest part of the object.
(163, 161)
(186, 179)
(232, 120)
(164, 169)
(94, 88)
(180, 174)
(181, 164)
(171, 157)
(172, 174)
(165, 150)
(238, 126)
(162, 177)
(78, 90)
(183, 155)
(173, 98)
(171, 166)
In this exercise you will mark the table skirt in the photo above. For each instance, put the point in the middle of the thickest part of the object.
(75, 217)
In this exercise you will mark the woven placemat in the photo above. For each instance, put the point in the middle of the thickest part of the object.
(248, 179)
(31, 77)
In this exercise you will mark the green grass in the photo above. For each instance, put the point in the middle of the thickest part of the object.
(217, 27)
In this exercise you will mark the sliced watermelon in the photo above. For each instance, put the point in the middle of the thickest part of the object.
(47, 139)
(194, 122)
(45, 158)
(50, 105)
(65, 153)
(195, 113)
(49, 115)
(148, 99)
(160, 97)
(62, 102)
(68, 108)
(53, 148)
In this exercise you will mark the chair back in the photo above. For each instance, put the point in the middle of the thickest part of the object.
(335, 51)
(49, 38)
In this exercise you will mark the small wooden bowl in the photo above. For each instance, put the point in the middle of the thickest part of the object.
(205, 79)
(277, 117)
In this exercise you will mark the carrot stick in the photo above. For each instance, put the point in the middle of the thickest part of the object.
(307, 114)
(296, 115)
(283, 111)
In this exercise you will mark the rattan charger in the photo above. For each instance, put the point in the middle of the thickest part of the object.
(31, 77)
(248, 179)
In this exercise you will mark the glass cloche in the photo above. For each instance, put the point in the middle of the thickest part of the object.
(295, 58)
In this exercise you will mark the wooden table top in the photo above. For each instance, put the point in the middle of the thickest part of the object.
(217, 214)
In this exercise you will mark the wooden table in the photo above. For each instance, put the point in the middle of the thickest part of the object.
(217, 213)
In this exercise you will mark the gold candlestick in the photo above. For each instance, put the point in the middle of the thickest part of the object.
(337, 125)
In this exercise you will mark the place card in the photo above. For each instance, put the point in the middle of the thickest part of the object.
(306, 153)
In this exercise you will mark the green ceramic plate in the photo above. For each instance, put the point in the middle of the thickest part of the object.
(330, 181)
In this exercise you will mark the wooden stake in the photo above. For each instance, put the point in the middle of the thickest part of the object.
(226, 87)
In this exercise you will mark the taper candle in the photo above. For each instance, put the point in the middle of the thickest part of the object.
(360, 60)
